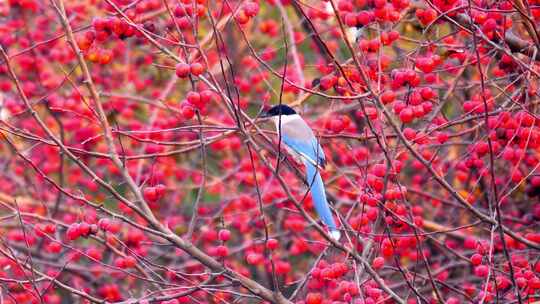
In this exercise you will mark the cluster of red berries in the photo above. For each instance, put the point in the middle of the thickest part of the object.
(43, 229)
(92, 41)
(82, 229)
(249, 10)
(155, 193)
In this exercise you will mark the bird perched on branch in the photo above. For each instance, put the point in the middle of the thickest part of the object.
(301, 143)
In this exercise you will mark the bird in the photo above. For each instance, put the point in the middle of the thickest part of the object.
(302, 144)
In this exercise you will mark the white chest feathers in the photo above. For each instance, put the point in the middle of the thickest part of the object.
(286, 121)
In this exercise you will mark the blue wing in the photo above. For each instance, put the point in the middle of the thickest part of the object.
(309, 149)
(314, 158)
(319, 199)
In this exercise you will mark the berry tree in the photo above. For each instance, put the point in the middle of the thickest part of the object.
(136, 168)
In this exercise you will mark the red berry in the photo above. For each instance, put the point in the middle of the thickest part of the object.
(516, 176)
(314, 298)
(150, 194)
(427, 106)
(222, 251)
(187, 110)
(364, 17)
(99, 24)
(379, 3)
(327, 82)
(197, 69)
(388, 97)
(104, 223)
(482, 148)
(481, 271)
(283, 267)
(378, 263)
(94, 253)
(120, 263)
(251, 9)
(224, 235)
(415, 98)
(350, 19)
(39, 230)
(372, 214)
(336, 125)
(534, 283)
(406, 115)
(387, 248)
(206, 96)
(84, 229)
(393, 35)
(427, 93)
(129, 262)
(50, 228)
(272, 244)
(54, 247)
(73, 232)
(254, 258)
(160, 190)
(183, 70)
(379, 170)
(399, 106)
(194, 98)
(409, 133)
(360, 153)
(476, 259)
(442, 137)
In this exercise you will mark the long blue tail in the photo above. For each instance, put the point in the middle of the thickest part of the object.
(319, 199)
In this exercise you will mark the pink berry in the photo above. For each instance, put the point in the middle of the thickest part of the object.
(183, 70)
(224, 235)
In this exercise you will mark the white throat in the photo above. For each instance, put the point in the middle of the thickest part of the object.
(284, 119)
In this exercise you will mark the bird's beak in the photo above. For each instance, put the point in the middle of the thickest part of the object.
(264, 115)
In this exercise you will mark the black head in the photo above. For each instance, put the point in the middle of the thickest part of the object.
(278, 110)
